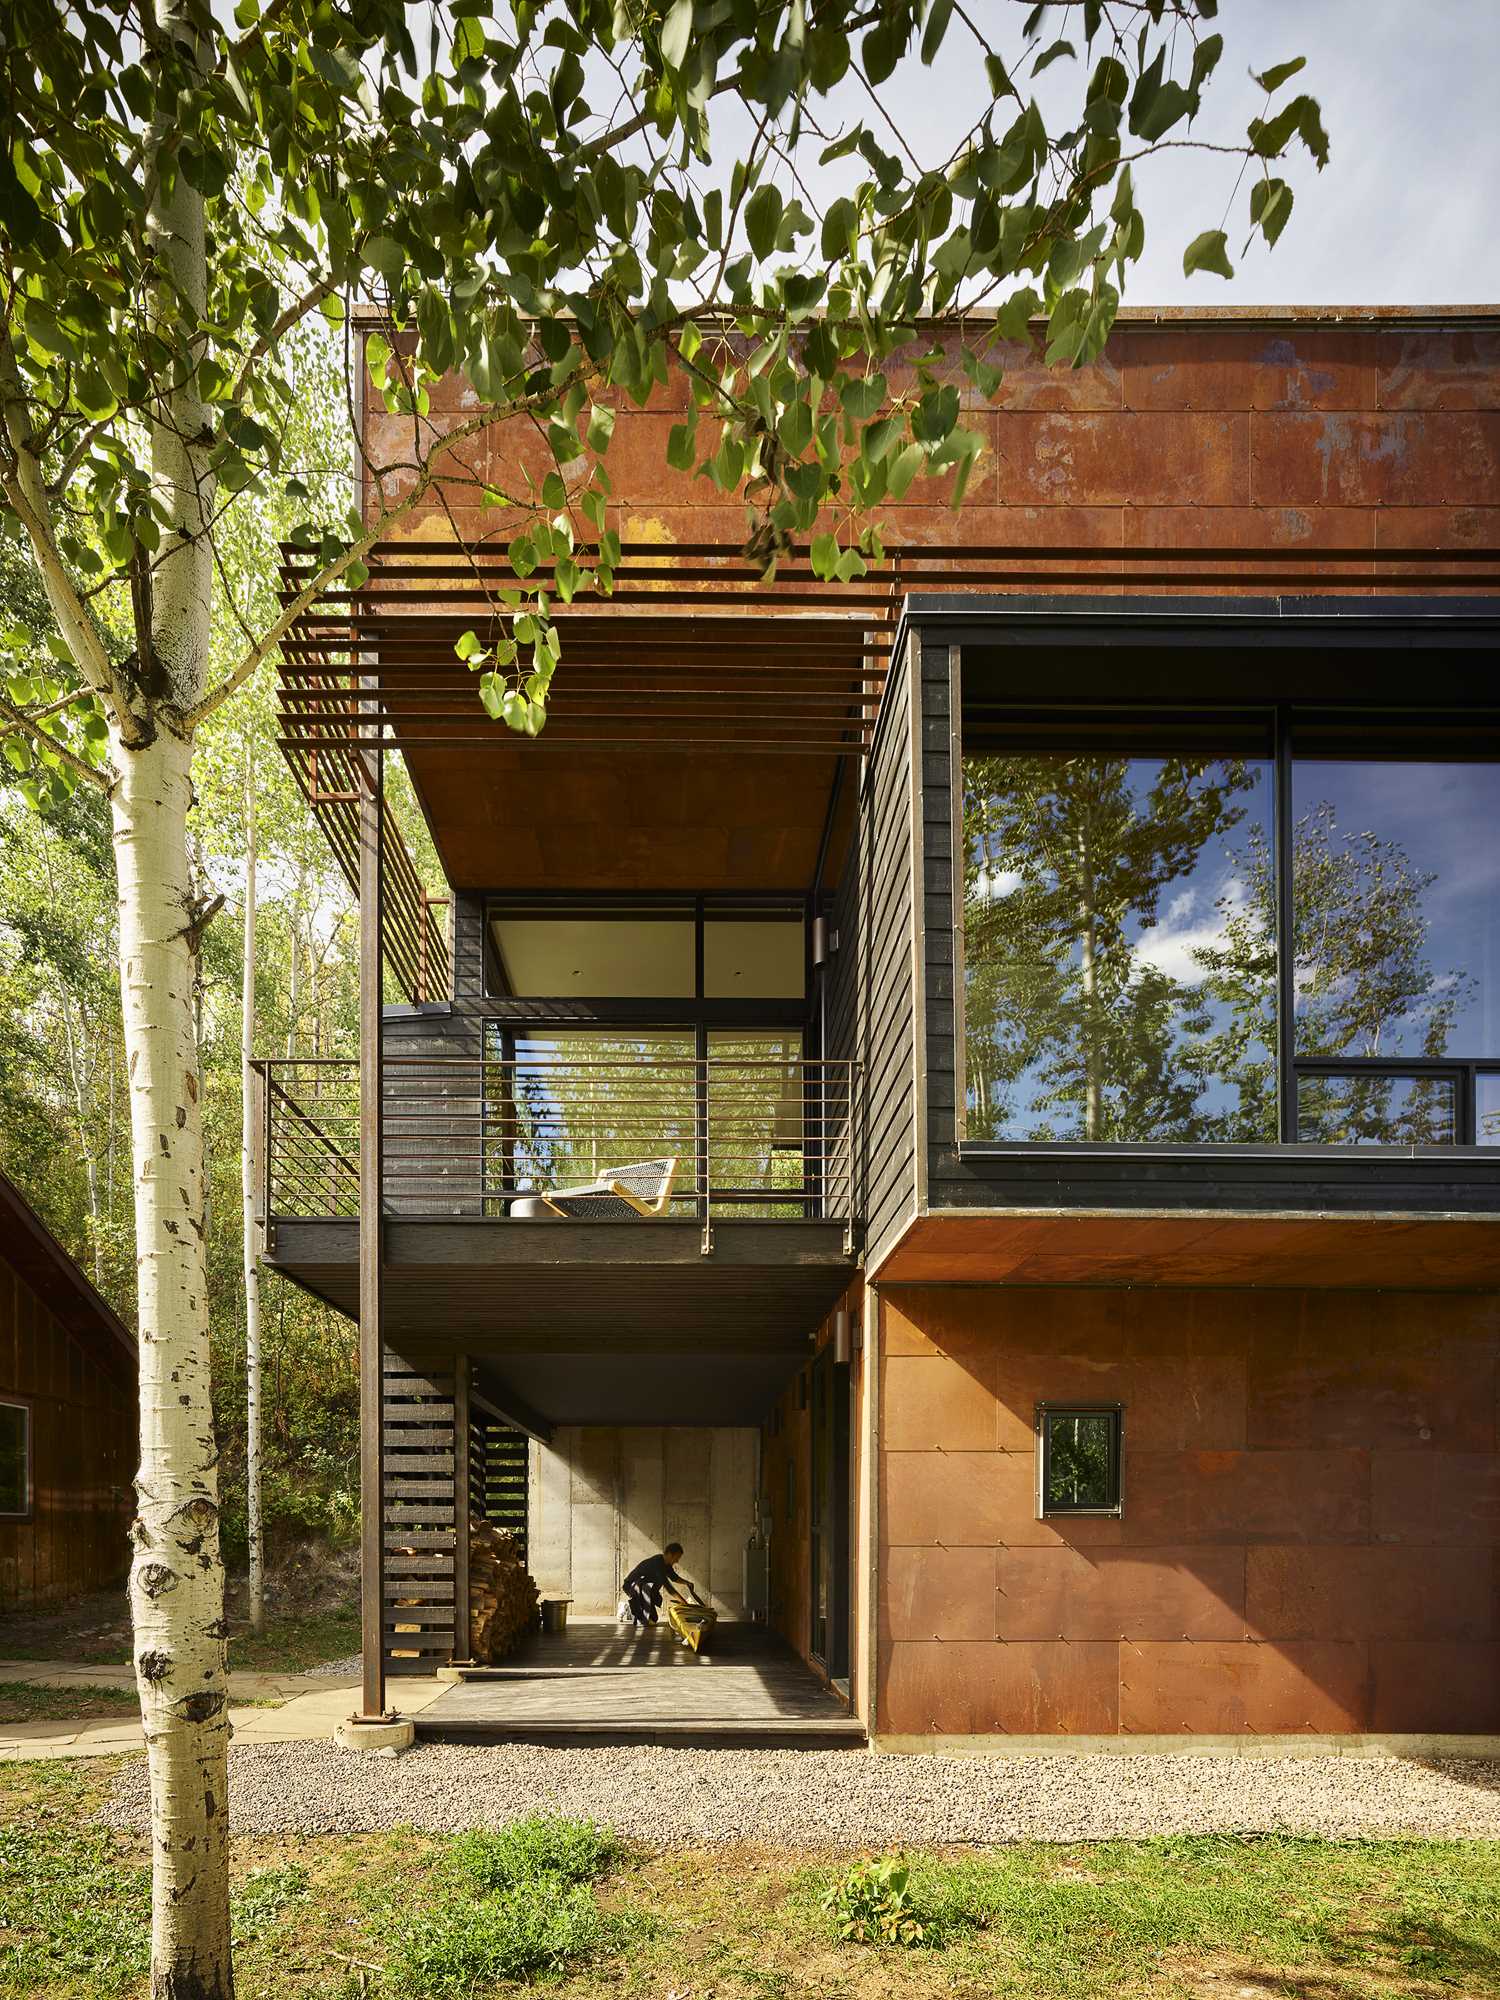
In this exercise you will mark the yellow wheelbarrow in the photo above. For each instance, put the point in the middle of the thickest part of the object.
(693, 1623)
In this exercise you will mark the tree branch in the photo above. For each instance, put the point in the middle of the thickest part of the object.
(50, 708)
(21, 482)
(294, 314)
(17, 718)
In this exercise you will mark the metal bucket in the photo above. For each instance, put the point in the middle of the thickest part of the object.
(555, 1613)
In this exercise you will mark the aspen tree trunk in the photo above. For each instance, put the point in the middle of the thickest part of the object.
(177, 1576)
(251, 1140)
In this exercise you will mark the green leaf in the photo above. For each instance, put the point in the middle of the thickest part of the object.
(824, 556)
(763, 219)
(677, 33)
(1270, 207)
(1277, 75)
(862, 395)
(601, 426)
(904, 469)
(935, 415)
(1049, 56)
(839, 225)
(680, 451)
(937, 27)
(1208, 252)
(468, 41)
(882, 48)
(467, 645)
(385, 255)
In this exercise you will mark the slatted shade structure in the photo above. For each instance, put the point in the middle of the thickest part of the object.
(757, 686)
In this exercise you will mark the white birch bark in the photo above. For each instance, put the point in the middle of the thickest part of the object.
(177, 1576)
(251, 1140)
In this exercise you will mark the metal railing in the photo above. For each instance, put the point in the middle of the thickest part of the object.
(752, 1139)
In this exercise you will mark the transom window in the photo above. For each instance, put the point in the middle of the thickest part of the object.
(702, 948)
(1178, 931)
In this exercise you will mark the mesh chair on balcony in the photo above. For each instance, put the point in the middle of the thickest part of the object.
(643, 1188)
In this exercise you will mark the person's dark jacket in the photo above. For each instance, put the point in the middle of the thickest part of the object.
(655, 1573)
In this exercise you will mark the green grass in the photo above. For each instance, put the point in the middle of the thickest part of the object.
(23, 1701)
(515, 1905)
(287, 1646)
(403, 1916)
(291, 1645)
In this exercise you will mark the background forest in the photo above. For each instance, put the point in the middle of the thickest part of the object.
(64, 1130)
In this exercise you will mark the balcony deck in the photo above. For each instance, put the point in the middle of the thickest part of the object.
(499, 1285)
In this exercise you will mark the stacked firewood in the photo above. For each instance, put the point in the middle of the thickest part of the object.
(502, 1596)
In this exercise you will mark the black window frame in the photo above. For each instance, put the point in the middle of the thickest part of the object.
(1046, 1413)
(1347, 730)
(617, 906)
(27, 1511)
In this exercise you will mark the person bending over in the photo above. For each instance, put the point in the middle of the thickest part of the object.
(647, 1582)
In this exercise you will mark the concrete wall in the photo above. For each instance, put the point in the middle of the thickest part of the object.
(601, 1499)
(1310, 1537)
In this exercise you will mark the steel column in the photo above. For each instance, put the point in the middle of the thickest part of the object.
(371, 1245)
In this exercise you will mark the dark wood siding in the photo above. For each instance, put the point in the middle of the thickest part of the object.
(81, 1394)
(885, 945)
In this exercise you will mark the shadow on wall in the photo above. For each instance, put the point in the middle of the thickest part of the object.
(1309, 1523)
(604, 1498)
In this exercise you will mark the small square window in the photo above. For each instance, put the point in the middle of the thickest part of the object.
(15, 1461)
(1078, 1458)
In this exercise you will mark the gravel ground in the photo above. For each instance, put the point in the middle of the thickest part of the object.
(344, 1667)
(839, 1798)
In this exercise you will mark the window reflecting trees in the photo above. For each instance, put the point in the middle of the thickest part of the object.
(1099, 895)
(1121, 932)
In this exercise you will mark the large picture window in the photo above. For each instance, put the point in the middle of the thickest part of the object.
(1120, 977)
(1179, 933)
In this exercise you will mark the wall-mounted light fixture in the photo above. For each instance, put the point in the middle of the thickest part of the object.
(843, 1337)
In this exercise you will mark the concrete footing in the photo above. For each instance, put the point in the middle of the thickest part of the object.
(379, 1732)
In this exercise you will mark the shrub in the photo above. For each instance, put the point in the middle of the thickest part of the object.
(872, 1904)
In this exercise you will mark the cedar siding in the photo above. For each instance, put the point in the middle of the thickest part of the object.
(67, 1358)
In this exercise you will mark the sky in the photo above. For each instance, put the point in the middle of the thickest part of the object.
(1402, 215)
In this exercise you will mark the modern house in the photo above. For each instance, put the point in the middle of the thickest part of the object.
(970, 1098)
(67, 1421)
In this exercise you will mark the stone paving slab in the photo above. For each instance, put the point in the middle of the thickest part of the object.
(314, 1707)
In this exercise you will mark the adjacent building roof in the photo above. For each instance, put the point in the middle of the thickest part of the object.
(30, 1248)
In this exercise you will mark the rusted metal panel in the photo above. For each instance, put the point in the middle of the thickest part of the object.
(1311, 1507)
